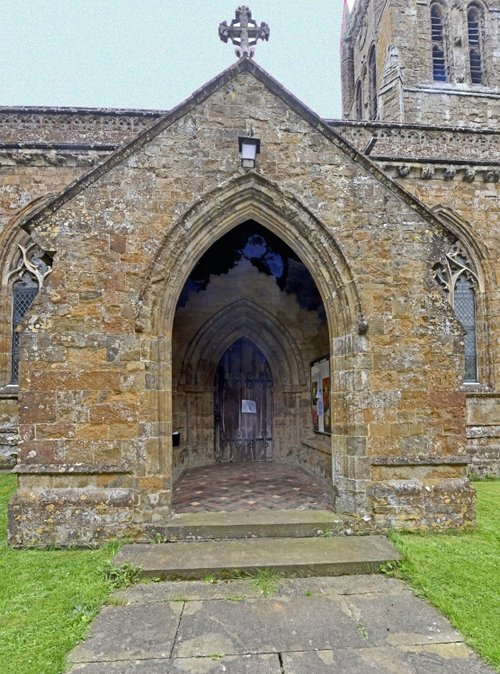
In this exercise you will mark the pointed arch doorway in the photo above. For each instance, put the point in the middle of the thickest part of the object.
(182, 366)
(243, 405)
(249, 322)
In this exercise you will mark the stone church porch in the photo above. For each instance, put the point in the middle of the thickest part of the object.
(245, 487)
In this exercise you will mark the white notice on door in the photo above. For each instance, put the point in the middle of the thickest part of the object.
(249, 407)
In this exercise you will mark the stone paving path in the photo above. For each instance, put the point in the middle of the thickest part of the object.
(227, 487)
(346, 625)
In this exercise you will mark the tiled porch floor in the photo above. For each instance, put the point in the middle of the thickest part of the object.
(226, 487)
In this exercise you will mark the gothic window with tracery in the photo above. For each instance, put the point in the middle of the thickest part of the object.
(474, 36)
(372, 69)
(30, 271)
(438, 47)
(456, 275)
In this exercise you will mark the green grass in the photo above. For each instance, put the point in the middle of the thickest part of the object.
(265, 580)
(47, 598)
(460, 573)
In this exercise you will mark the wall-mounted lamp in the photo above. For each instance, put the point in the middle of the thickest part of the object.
(249, 149)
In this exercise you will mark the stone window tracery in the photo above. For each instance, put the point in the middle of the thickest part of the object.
(475, 46)
(439, 69)
(27, 278)
(456, 275)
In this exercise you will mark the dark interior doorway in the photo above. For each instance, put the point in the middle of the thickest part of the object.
(243, 405)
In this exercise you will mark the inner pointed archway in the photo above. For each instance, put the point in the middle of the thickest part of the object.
(249, 323)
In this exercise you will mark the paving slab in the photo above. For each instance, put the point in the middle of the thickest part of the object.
(265, 625)
(386, 620)
(441, 659)
(289, 556)
(128, 632)
(444, 659)
(244, 664)
(189, 590)
(310, 626)
(346, 661)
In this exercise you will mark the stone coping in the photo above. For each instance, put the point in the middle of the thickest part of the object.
(405, 126)
(64, 110)
(438, 162)
(28, 145)
(462, 459)
(65, 469)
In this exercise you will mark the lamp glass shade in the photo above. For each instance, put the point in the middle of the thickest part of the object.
(248, 150)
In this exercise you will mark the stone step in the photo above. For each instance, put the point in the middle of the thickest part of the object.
(297, 557)
(256, 524)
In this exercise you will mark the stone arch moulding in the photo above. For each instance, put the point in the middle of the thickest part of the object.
(248, 197)
(242, 319)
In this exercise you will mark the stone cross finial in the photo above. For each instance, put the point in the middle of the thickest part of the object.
(243, 32)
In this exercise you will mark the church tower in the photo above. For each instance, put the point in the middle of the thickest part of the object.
(433, 62)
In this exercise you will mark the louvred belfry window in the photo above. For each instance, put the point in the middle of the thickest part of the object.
(439, 70)
(359, 101)
(372, 68)
(474, 36)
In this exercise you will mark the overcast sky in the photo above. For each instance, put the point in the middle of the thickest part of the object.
(154, 53)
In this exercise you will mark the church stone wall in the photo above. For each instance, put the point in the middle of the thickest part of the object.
(476, 205)
(41, 151)
(456, 172)
(98, 464)
(441, 106)
(23, 180)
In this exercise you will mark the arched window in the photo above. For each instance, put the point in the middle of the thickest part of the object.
(359, 100)
(30, 271)
(457, 277)
(438, 47)
(372, 70)
(474, 36)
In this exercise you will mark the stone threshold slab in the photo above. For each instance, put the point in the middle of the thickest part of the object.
(259, 524)
(299, 557)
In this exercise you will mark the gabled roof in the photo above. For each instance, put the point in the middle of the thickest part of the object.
(244, 65)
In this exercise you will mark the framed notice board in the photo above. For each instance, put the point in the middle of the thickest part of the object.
(320, 395)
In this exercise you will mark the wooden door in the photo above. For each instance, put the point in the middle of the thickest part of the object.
(243, 405)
